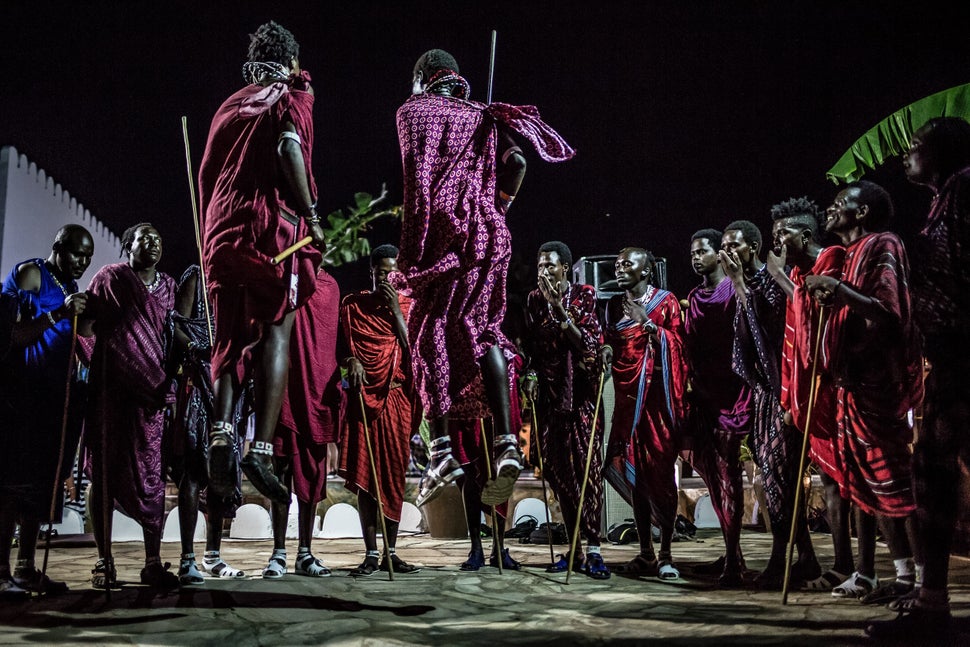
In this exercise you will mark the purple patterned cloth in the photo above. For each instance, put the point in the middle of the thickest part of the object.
(455, 245)
(130, 389)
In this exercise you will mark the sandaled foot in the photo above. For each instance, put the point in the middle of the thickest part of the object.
(638, 566)
(442, 471)
(11, 592)
(32, 580)
(856, 586)
(905, 603)
(221, 569)
(366, 568)
(310, 566)
(103, 572)
(275, 568)
(920, 626)
(889, 592)
(475, 561)
(189, 574)
(508, 466)
(667, 571)
(259, 471)
(158, 575)
(824, 582)
(595, 568)
(561, 562)
(508, 564)
(222, 459)
(400, 566)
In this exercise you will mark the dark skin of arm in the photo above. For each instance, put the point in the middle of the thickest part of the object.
(27, 332)
(184, 303)
(511, 173)
(294, 171)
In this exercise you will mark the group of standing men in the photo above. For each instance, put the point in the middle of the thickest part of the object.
(826, 341)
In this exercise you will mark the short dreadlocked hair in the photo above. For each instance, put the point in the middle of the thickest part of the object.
(948, 141)
(561, 249)
(712, 236)
(381, 252)
(273, 43)
(748, 230)
(800, 211)
(435, 60)
(879, 202)
(128, 237)
(651, 261)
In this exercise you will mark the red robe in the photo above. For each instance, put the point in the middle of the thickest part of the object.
(312, 402)
(878, 370)
(650, 406)
(389, 400)
(242, 194)
(801, 328)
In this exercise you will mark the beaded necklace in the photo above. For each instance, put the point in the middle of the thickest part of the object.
(154, 284)
(645, 299)
(56, 282)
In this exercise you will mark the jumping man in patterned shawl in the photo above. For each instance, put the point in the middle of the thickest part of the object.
(461, 172)
(643, 325)
(759, 331)
(873, 354)
(562, 341)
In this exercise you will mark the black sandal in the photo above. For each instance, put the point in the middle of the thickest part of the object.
(638, 567)
(366, 568)
(400, 566)
(103, 571)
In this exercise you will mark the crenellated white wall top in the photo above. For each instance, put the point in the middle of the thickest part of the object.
(33, 206)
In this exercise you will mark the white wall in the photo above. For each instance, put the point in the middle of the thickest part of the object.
(33, 206)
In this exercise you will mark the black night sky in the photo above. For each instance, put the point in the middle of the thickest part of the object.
(684, 114)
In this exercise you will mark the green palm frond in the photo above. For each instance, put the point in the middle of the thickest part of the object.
(344, 231)
(891, 136)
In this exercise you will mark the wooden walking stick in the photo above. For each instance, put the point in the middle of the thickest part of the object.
(542, 473)
(292, 249)
(58, 486)
(198, 229)
(582, 490)
(377, 487)
(496, 538)
(801, 463)
(107, 506)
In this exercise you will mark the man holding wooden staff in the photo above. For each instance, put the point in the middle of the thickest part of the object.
(257, 197)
